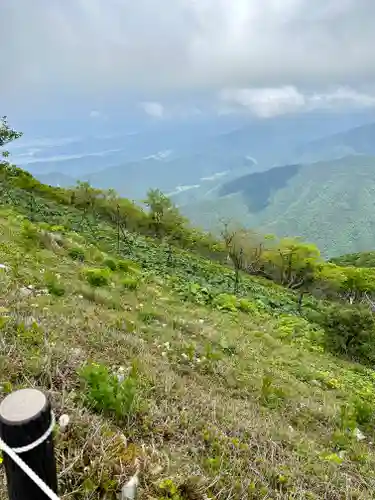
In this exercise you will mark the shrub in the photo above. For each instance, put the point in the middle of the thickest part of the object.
(109, 392)
(225, 302)
(350, 330)
(29, 232)
(54, 285)
(127, 266)
(97, 277)
(110, 263)
(295, 328)
(130, 283)
(246, 306)
(77, 253)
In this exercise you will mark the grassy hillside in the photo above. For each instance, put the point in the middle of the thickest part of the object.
(329, 203)
(162, 369)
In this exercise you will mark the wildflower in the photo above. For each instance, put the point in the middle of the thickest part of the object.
(64, 422)
(130, 489)
(358, 434)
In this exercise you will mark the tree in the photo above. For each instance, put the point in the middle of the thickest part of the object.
(7, 135)
(358, 283)
(165, 218)
(235, 252)
(292, 262)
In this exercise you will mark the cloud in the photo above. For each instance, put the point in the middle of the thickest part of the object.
(110, 47)
(95, 114)
(269, 102)
(154, 109)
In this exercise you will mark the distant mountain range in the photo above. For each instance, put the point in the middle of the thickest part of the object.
(191, 157)
(331, 203)
(311, 175)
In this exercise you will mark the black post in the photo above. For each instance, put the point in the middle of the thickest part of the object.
(25, 416)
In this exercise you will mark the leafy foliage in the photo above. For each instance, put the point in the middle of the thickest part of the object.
(350, 330)
(111, 393)
(97, 277)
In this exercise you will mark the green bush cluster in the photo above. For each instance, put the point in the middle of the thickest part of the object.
(77, 253)
(130, 283)
(109, 392)
(97, 276)
(349, 330)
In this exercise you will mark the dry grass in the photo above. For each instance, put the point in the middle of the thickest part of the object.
(226, 409)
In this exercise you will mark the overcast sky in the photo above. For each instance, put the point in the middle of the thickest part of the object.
(267, 57)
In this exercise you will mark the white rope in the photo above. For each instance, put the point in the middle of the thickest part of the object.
(12, 453)
(37, 442)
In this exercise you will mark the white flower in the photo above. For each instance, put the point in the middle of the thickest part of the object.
(64, 422)
(129, 490)
(358, 434)
(167, 345)
(184, 355)
(164, 354)
(201, 321)
(3, 266)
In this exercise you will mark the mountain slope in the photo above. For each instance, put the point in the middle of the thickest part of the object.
(204, 398)
(358, 140)
(330, 203)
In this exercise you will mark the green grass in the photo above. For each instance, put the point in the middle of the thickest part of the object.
(233, 396)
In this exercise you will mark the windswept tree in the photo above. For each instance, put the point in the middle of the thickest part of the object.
(359, 283)
(292, 262)
(7, 135)
(165, 219)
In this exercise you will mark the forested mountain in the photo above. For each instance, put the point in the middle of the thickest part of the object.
(331, 203)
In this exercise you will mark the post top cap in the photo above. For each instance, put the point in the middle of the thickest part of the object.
(22, 405)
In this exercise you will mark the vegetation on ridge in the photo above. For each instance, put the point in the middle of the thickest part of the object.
(213, 381)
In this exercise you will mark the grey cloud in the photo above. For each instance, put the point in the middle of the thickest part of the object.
(98, 46)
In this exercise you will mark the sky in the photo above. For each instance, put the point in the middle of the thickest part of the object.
(187, 57)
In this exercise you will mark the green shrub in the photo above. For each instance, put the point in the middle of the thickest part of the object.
(54, 285)
(108, 392)
(246, 306)
(270, 394)
(128, 266)
(130, 283)
(30, 232)
(77, 253)
(97, 277)
(110, 263)
(299, 330)
(225, 302)
(350, 330)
